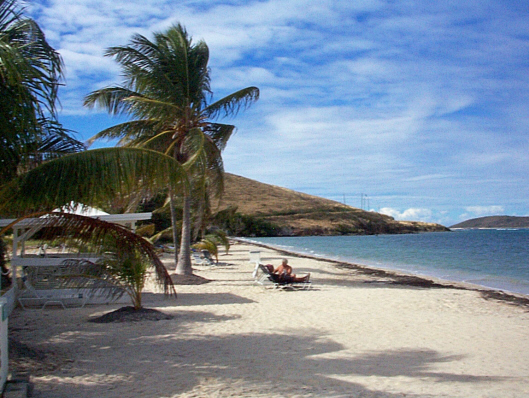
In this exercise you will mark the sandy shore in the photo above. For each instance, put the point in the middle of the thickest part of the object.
(351, 335)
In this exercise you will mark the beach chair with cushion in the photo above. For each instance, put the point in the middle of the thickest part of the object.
(73, 282)
(195, 257)
(266, 277)
(32, 296)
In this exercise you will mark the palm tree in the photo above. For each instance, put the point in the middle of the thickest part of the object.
(30, 73)
(166, 92)
(211, 241)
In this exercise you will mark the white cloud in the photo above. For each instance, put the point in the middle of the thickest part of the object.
(482, 211)
(412, 214)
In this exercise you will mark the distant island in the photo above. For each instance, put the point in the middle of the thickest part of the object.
(495, 222)
(252, 208)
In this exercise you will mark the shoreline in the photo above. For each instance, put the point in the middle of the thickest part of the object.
(406, 278)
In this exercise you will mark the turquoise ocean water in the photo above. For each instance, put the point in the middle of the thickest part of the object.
(492, 258)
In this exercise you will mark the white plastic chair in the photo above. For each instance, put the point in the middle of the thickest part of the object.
(255, 257)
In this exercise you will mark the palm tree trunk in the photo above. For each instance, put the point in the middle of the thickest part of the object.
(174, 224)
(183, 266)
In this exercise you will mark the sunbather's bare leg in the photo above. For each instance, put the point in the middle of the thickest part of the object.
(306, 278)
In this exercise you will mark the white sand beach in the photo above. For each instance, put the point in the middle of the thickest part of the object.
(351, 335)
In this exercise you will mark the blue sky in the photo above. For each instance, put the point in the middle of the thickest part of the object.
(419, 107)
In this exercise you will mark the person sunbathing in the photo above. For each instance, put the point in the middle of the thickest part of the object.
(284, 273)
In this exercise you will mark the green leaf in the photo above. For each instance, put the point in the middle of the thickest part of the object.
(91, 177)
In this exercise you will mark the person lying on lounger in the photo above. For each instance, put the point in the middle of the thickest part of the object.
(284, 272)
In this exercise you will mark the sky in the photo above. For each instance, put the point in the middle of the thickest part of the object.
(415, 109)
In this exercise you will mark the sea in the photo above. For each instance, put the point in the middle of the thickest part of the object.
(491, 258)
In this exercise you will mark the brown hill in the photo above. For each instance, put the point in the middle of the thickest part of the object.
(295, 213)
(495, 222)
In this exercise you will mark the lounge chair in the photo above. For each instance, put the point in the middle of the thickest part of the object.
(73, 282)
(201, 259)
(207, 256)
(265, 276)
(32, 296)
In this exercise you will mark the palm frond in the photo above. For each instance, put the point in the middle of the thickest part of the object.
(99, 175)
(141, 52)
(57, 140)
(194, 146)
(210, 246)
(103, 236)
(30, 75)
(220, 133)
(112, 99)
(221, 238)
(8, 14)
(162, 141)
(166, 233)
(215, 169)
(128, 131)
(231, 104)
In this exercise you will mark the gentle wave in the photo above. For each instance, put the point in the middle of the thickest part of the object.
(497, 259)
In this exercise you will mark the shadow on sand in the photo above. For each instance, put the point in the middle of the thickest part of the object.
(259, 364)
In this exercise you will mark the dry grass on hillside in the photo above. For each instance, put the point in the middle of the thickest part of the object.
(256, 198)
(300, 213)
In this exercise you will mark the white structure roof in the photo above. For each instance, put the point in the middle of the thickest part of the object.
(25, 228)
(125, 218)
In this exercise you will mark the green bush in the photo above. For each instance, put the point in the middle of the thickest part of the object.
(237, 224)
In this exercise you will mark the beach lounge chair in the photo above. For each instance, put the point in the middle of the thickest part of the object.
(32, 296)
(206, 255)
(265, 276)
(195, 257)
(201, 259)
(72, 282)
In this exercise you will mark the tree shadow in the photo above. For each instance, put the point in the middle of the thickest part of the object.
(412, 363)
(193, 299)
(257, 364)
(198, 299)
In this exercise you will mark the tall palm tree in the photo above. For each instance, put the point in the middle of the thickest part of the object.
(166, 92)
(30, 73)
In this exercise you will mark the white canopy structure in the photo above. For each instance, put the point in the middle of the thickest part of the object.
(26, 228)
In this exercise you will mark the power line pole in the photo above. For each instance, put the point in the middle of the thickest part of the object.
(364, 201)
